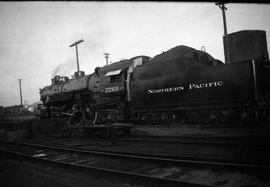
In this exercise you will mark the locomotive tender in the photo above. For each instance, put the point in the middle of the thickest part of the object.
(181, 84)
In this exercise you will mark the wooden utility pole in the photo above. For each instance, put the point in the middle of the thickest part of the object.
(107, 57)
(20, 83)
(226, 40)
(77, 56)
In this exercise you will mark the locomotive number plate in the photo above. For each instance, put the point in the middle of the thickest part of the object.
(112, 89)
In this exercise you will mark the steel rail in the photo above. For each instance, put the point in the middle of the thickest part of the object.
(200, 140)
(152, 158)
(123, 173)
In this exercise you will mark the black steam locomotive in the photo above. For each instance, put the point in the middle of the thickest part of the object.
(181, 84)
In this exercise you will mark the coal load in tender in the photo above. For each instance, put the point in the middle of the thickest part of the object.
(195, 56)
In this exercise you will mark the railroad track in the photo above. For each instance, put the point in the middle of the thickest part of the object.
(167, 171)
(198, 139)
(243, 150)
(230, 149)
(127, 146)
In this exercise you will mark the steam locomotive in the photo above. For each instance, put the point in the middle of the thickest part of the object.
(181, 84)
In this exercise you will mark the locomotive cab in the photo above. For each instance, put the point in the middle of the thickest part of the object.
(112, 101)
(115, 81)
(113, 76)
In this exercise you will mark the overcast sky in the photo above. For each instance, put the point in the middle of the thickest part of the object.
(34, 36)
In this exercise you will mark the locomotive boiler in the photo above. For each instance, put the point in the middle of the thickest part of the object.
(181, 84)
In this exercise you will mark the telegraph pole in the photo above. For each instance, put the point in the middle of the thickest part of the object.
(20, 83)
(76, 47)
(226, 46)
(107, 57)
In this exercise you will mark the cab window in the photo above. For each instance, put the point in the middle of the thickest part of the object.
(115, 78)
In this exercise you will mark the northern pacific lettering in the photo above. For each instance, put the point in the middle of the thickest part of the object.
(190, 86)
